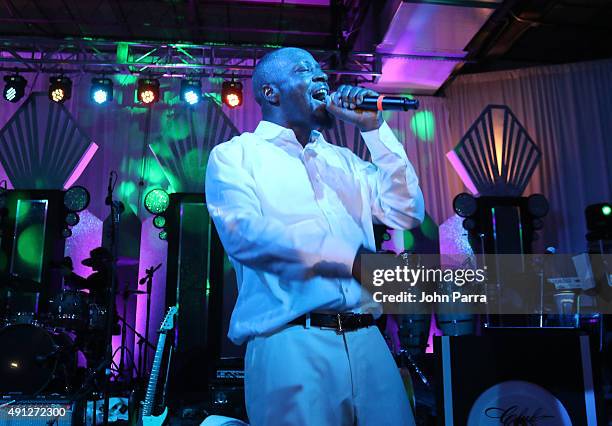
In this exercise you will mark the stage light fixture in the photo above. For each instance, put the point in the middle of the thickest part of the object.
(157, 201)
(606, 210)
(60, 89)
(537, 205)
(163, 235)
(14, 87)
(72, 219)
(465, 205)
(66, 233)
(231, 93)
(191, 91)
(148, 91)
(101, 90)
(76, 199)
(159, 221)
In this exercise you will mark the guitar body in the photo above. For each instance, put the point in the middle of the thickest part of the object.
(155, 420)
(146, 417)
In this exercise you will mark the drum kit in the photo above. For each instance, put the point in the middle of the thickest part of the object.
(40, 351)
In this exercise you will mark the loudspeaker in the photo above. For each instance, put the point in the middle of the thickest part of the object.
(194, 281)
(516, 377)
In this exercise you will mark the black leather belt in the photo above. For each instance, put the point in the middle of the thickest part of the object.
(347, 321)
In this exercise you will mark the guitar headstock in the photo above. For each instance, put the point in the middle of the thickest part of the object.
(168, 322)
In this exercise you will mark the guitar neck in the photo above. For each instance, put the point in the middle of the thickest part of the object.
(152, 386)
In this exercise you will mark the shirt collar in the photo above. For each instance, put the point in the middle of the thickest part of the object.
(278, 134)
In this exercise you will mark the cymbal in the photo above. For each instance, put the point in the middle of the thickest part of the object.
(127, 261)
(19, 284)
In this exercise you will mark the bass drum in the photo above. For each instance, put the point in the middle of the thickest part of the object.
(31, 358)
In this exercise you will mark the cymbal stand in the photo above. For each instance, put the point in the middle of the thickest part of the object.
(148, 280)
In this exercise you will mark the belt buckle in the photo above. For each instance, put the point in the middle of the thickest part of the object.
(339, 329)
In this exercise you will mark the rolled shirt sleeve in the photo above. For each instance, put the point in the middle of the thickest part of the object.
(396, 199)
(298, 251)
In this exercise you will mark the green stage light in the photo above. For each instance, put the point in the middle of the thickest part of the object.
(76, 199)
(163, 235)
(72, 219)
(159, 222)
(157, 201)
(606, 210)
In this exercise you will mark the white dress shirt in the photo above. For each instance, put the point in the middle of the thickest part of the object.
(292, 218)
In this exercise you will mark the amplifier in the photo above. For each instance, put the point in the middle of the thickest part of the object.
(41, 411)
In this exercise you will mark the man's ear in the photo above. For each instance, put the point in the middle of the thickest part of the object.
(270, 93)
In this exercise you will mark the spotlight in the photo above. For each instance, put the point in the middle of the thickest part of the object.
(157, 201)
(159, 221)
(66, 233)
(148, 91)
(163, 235)
(76, 199)
(231, 93)
(191, 91)
(537, 205)
(599, 217)
(465, 205)
(101, 90)
(14, 87)
(60, 89)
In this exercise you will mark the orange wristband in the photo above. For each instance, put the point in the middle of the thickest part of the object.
(379, 102)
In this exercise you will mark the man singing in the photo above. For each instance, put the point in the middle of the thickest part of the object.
(294, 213)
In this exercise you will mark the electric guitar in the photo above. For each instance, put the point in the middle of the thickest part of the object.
(148, 419)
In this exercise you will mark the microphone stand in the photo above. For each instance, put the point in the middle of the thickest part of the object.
(116, 207)
(148, 279)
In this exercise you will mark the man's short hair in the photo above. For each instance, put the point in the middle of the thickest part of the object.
(267, 69)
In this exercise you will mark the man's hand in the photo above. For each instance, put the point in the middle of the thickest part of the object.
(344, 105)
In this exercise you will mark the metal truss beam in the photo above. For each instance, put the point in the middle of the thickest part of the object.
(73, 56)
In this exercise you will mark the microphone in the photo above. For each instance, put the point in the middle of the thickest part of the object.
(388, 103)
(109, 190)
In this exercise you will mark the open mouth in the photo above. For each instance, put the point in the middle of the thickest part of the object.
(320, 94)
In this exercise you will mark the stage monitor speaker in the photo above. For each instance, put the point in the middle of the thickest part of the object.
(195, 283)
(517, 377)
(30, 241)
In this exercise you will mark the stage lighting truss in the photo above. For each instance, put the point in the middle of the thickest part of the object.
(148, 91)
(191, 91)
(14, 88)
(231, 93)
(101, 90)
(60, 89)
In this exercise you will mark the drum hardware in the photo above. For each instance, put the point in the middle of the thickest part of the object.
(125, 294)
(148, 280)
(32, 357)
